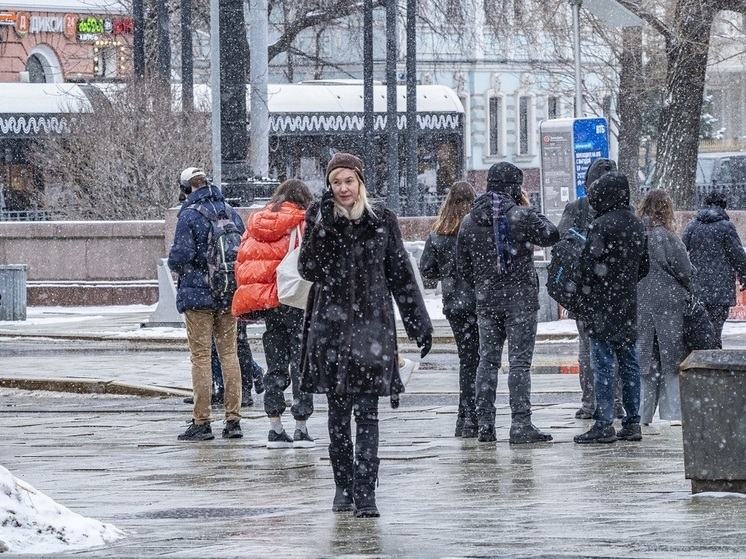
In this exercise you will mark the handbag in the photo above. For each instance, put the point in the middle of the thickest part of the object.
(292, 290)
(698, 330)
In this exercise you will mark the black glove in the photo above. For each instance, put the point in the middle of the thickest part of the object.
(326, 209)
(426, 343)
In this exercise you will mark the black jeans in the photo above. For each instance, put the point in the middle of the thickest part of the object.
(718, 315)
(282, 340)
(466, 334)
(365, 409)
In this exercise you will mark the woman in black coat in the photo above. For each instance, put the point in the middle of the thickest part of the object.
(717, 257)
(354, 254)
(438, 262)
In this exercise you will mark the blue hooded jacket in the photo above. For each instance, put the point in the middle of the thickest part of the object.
(187, 257)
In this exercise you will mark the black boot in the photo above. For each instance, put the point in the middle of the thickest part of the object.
(366, 476)
(343, 477)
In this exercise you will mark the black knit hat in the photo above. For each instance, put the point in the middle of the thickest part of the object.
(599, 168)
(718, 199)
(345, 161)
(503, 177)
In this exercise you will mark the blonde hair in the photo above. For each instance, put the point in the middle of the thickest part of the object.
(361, 204)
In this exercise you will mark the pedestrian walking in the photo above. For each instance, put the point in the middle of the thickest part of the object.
(265, 244)
(438, 262)
(614, 259)
(661, 300)
(353, 253)
(206, 315)
(495, 255)
(578, 215)
(717, 257)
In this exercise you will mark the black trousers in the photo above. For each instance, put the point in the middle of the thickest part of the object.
(364, 407)
(466, 334)
(282, 341)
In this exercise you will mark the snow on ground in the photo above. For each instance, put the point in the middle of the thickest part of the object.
(34, 523)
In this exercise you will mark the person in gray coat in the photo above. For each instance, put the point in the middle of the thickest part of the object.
(661, 300)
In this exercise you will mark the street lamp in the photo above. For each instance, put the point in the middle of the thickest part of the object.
(610, 11)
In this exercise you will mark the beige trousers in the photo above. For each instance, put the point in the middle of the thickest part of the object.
(202, 325)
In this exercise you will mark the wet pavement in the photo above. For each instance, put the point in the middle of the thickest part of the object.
(116, 458)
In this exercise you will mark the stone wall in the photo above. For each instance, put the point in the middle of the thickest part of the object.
(105, 262)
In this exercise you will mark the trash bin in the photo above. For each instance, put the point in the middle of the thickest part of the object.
(713, 407)
(13, 292)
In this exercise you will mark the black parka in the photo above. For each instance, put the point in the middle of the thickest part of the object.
(614, 259)
(477, 257)
(438, 262)
(717, 256)
(349, 334)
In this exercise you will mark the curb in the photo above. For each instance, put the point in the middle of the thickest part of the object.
(92, 386)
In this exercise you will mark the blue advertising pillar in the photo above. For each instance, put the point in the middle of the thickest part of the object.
(568, 147)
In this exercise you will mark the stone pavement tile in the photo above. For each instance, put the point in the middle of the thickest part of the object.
(116, 459)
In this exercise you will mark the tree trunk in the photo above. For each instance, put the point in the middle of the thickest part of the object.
(678, 138)
(631, 99)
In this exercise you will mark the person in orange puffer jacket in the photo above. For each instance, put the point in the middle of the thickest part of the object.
(265, 243)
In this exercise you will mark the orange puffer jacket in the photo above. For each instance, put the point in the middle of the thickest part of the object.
(265, 243)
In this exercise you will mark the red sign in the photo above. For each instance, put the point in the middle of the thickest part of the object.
(70, 26)
(23, 23)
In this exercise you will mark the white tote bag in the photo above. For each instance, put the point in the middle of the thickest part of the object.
(292, 290)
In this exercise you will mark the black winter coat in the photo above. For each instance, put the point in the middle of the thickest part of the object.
(187, 257)
(577, 215)
(717, 256)
(614, 259)
(349, 334)
(438, 262)
(477, 256)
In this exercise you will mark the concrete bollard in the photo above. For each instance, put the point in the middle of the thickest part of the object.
(713, 404)
(13, 292)
(165, 313)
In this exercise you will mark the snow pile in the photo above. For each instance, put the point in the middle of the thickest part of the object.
(31, 522)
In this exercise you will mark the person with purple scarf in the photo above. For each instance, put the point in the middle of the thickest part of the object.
(495, 255)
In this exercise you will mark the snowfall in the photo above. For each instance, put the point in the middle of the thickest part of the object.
(31, 522)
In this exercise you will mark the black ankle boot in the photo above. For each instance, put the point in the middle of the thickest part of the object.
(366, 476)
(342, 466)
(343, 500)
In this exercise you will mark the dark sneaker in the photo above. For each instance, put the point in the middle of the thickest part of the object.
(343, 500)
(194, 432)
(583, 414)
(232, 429)
(257, 373)
(470, 430)
(527, 434)
(597, 435)
(619, 413)
(302, 440)
(631, 432)
(487, 434)
(282, 440)
(189, 400)
(246, 399)
(459, 432)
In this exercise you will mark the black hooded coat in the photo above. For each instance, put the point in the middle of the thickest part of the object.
(349, 334)
(614, 259)
(717, 256)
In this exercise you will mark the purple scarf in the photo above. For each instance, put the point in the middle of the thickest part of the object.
(501, 229)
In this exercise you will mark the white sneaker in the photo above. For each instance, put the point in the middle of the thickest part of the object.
(675, 423)
(406, 370)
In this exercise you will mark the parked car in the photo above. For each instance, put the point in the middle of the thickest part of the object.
(719, 171)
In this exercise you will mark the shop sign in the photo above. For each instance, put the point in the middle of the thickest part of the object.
(7, 18)
(23, 22)
(71, 26)
(47, 24)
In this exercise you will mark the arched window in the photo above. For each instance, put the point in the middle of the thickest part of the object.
(35, 69)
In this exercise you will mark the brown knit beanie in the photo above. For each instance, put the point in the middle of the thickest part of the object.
(344, 161)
